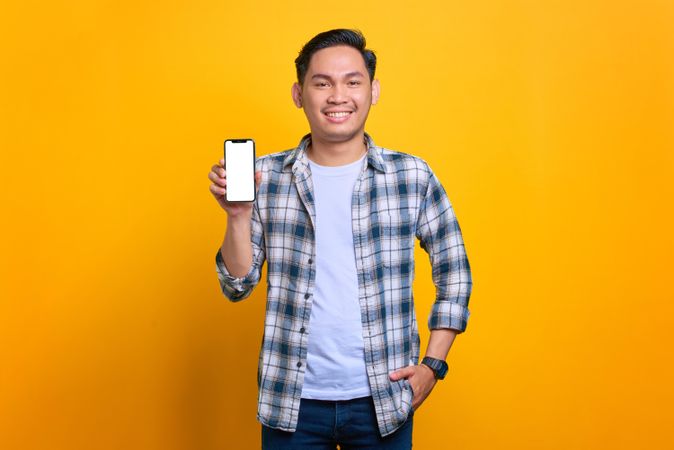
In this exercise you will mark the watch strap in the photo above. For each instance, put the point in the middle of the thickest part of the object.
(438, 366)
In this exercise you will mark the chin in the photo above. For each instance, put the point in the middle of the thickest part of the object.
(339, 137)
(334, 134)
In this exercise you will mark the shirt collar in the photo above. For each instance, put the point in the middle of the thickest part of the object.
(298, 156)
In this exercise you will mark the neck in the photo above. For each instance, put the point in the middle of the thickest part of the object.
(327, 153)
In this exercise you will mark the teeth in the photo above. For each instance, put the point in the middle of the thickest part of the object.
(338, 114)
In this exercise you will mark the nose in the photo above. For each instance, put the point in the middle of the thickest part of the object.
(338, 94)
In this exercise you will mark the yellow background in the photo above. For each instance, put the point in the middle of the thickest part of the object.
(550, 123)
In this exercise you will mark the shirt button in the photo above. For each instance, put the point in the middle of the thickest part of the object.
(310, 261)
(299, 364)
(306, 296)
(302, 330)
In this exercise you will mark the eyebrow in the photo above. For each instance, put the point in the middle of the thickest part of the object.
(348, 75)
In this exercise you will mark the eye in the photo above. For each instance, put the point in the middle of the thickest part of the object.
(354, 83)
(321, 84)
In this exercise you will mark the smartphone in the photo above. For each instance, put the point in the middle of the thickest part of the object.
(240, 168)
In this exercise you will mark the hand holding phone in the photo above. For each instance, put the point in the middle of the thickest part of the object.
(234, 181)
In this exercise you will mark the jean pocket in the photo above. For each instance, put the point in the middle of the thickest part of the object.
(408, 385)
(408, 394)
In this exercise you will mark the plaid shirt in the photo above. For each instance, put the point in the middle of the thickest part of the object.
(396, 198)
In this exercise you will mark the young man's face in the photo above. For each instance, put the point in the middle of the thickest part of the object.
(337, 94)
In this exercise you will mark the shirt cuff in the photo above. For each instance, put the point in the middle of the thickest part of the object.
(233, 287)
(446, 314)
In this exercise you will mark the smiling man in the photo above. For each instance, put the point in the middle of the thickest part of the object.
(336, 220)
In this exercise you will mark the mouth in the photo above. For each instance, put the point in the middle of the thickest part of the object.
(338, 116)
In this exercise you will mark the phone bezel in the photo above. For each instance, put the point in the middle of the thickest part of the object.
(238, 141)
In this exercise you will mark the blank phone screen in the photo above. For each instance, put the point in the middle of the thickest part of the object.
(240, 168)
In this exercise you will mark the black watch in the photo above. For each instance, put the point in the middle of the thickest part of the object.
(438, 366)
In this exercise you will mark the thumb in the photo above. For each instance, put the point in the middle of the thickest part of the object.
(258, 179)
(401, 373)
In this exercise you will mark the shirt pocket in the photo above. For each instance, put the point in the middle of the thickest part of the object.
(394, 241)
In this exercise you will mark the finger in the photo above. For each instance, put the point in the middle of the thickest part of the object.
(217, 190)
(218, 171)
(258, 179)
(222, 162)
(217, 179)
(401, 373)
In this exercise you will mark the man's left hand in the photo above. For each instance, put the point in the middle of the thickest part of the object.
(421, 379)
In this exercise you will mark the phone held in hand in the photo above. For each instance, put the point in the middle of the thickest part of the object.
(240, 170)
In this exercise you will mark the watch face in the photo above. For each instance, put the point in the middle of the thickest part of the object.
(439, 367)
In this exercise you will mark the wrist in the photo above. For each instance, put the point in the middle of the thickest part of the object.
(239, 221)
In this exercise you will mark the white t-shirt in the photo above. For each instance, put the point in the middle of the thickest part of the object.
(335, 359)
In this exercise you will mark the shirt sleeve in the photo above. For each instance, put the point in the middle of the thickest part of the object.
(238, 288)
(440, 236)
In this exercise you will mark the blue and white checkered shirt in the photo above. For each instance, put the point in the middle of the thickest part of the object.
(395, 199)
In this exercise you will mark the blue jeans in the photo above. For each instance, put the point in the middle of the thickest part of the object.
(351, 424)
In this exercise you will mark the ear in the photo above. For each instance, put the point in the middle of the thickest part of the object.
(375, 91)
(296, 92)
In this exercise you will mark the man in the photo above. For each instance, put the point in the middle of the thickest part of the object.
(335, 219)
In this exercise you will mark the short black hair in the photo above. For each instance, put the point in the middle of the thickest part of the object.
(339, 36)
